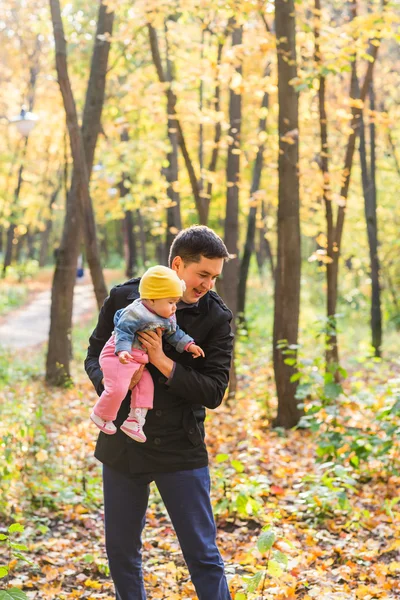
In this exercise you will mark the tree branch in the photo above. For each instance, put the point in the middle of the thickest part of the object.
(171, 100)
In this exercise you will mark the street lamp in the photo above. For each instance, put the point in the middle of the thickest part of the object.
(24, 122)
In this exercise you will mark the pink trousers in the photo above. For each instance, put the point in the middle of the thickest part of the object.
(117, 378)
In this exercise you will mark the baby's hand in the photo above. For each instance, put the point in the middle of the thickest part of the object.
(125, 357)
(196, 351)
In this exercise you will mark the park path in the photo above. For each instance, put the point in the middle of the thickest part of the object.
(30, 324)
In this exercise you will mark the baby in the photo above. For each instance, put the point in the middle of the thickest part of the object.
(160, 289)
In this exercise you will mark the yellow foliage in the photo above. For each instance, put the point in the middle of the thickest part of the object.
(90, 583)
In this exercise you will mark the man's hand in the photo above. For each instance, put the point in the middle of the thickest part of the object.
(152, 342)
(136, 377)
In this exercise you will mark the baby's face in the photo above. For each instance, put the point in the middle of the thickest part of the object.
(165, 307)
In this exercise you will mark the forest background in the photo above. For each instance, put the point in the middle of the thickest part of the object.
(276, 124)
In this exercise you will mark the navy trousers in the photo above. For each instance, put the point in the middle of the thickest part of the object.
(186, 495)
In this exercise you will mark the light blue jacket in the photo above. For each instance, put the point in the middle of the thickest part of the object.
(136, 317)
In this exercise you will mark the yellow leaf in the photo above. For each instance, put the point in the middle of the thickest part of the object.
(21, 229)
(362, 591)
(394, 566)
(356, 103)
(90, 583)
(236, 81)
(42, 455)
(50, 572)
(322, 240)
(393, 546)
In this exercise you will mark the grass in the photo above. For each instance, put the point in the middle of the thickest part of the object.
(12, 297)
(353, 316)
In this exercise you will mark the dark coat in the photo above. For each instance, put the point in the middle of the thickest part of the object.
(175, 426)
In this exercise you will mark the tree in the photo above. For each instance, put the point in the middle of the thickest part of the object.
(368, 176)
(230, 279)
(206, 196)
(335, 230)
(251, 219)
(34, 69)
(48, 225)
(287, 283)
(83, 143)
(174, 220)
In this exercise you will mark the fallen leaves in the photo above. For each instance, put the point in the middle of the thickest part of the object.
(354, 557)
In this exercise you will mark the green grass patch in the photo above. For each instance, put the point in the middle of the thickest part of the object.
(12, 297)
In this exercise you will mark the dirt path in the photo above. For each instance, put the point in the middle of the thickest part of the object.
(30, 324)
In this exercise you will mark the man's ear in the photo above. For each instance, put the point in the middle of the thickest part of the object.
(176, 263)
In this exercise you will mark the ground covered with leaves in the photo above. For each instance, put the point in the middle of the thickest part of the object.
(310, 513)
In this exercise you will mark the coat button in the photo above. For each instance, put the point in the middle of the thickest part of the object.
(158, 413)
(191, 431)
(157, 441)
(162, 380)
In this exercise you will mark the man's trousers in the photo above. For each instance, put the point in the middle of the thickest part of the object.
(186, 495)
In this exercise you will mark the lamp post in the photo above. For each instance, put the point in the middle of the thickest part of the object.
(24, 123)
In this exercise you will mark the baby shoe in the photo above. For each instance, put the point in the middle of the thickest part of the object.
(107, 427)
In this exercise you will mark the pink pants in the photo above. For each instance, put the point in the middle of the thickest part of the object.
(117, 378)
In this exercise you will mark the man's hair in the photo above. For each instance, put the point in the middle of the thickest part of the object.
(197, 241)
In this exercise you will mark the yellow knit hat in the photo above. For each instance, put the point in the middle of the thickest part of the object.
(161, 282)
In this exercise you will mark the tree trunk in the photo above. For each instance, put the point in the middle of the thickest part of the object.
(59, 349)
(104, 243)
(19, 245)
(369, 190)
(212, 167)
(34, 67)
(30, 241)
(174, 221)
(82, 167)
(45, 237)
(230, 281)
(331, 350)
(251, 220)
(376, 311)
(175, 132)
(161, 253)
(263, 247)
(11, 228)
(333, 271)
(119, 236)
(142, 236)
(128, 223)
(130, 244)
(130, 252)
(44, 243)
(201, 127)
(9, 247)
(230, 278)
(287, 283)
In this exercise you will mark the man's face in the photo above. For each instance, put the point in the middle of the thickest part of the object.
(199, 277)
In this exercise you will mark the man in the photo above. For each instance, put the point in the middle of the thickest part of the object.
(175, 455)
